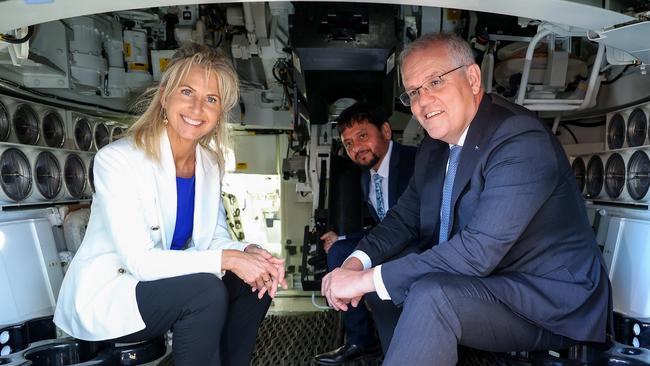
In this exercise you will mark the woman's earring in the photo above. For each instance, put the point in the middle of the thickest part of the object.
(165, 120)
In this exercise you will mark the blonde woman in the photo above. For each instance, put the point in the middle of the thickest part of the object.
(157, 254)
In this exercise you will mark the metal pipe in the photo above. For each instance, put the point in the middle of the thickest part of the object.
(575, 102)
(551, 107)
(521, 93)
(556, 124)
(488, 69)
(250, 23)
(593, 78)
(248, 17)
(316, 305)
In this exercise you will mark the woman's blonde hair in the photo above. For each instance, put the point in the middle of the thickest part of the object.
(147, 128)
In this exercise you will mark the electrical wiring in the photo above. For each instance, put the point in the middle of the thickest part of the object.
(583, 123)
(11, 87)
(13, 40)
(610, 81)
(571, 133)
(282, 72)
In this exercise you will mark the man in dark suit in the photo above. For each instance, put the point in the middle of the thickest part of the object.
(387, 169)
(514, 264)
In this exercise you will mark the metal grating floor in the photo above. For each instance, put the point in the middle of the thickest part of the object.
(293, 338)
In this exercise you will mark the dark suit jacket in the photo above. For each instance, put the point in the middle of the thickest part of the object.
(402, 160)
(517, 223)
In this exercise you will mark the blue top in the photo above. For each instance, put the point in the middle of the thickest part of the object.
(184, 212)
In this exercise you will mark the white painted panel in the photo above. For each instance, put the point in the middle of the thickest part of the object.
(257, 154)
(28, 279)
(611, 240)
(630, 274)
(49, 257)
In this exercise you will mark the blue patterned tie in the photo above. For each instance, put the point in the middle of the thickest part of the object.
(379, 196)
(445, 207)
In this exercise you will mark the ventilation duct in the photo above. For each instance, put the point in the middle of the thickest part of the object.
(83, 134)
(637, 128)
(48, 177)
(579, 171)
(16, 174)
(91, 175)
(614, 175)
(595, 176)
(102, 135)
(53, 130)
(5, 126)
(26, 125)
(638, 175)
(75, 176)
(116, 133)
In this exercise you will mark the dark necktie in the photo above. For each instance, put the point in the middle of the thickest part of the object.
(445, 207)
(379, 196)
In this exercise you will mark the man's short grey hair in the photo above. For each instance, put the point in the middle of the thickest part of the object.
(459, 51)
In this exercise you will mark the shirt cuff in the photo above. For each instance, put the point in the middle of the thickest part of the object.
(363, 257)
(341, 237)
(379, 284)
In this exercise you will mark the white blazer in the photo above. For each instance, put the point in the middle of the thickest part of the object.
(131, 225)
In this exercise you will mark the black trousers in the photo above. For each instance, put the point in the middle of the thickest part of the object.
(214, 321)
(444, 310)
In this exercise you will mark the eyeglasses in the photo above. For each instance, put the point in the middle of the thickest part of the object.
(431, 85)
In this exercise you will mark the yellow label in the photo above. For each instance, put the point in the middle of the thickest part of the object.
(133, 66)
(127, 50)
(163, 63)
(242, 166)
(453, 14)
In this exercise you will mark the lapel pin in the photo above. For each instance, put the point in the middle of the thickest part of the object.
(476, 148)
